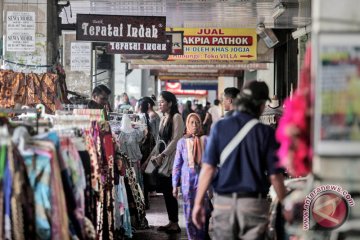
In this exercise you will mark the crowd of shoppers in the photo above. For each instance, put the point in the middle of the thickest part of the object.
(238, 165)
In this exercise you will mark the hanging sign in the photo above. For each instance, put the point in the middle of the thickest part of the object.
(140, 47)
(220, 44)
(177, 42)
(115, 28)
(20, 31)
(175, 88)
(80, 56)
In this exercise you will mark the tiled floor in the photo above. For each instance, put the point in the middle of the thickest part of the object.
(156, 217)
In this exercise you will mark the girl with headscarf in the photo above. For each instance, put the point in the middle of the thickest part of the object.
(186, 168)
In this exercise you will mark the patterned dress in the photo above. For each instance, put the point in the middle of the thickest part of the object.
(185, 171)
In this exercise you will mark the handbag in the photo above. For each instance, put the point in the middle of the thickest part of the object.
(151, 166)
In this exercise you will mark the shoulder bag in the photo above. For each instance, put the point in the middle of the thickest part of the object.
(151, 166)
(236, 140)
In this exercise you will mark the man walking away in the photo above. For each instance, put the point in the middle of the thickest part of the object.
(247, 167)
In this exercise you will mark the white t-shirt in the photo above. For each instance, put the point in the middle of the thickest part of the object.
(215, 112)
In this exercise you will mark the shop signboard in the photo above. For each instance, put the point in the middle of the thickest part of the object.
(219, 44)
(80, 56)
(140, 47)
(177, 42)
(337, 98)
(20, 31)
(172, 46)
(175, 88)
(116, 28)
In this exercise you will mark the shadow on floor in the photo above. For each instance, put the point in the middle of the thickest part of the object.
(157, 216)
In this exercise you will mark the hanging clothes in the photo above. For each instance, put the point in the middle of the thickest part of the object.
(53, 188)
(130, 139)
(39, 172)
(16, 197)
(31, 89)
(74, 173)
(271, 116)
(136, 195)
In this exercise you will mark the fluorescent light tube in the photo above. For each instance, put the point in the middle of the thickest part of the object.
(63, 3)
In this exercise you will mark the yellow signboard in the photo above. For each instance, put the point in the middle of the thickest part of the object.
(227, 44)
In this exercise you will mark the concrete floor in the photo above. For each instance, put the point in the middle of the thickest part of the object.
(156, 217)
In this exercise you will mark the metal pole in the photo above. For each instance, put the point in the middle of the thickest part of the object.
(1, 27)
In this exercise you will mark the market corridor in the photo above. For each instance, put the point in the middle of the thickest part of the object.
(156, 217)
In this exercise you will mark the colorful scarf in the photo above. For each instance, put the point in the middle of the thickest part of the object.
(195, 148)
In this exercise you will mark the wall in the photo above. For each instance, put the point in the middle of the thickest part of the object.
(337, 16)
(268, 77)
(332, 15)
(134, 83)
(148, 83)
(77, 81)
(46, 42)
(212, 96)
(119, 75)
(224, 82)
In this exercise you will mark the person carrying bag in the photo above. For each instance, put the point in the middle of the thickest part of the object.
(246, 165)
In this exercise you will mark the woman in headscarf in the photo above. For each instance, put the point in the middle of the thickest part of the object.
(186, 168)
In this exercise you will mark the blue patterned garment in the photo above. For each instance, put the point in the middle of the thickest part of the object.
(122, 213)
(39, 172)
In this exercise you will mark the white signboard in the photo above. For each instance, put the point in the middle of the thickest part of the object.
(80, 56)
(337, 98)
(20, 31)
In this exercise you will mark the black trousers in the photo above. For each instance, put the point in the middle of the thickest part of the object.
(146, 188)
(172, 207)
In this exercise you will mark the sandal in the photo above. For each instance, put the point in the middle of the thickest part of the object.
(163, 228)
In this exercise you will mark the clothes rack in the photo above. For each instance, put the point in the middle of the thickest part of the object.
(37, 111)
(118, 116)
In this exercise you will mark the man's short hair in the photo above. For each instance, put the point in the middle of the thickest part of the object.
(231, 92)
(216, 102)
(100, 89)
